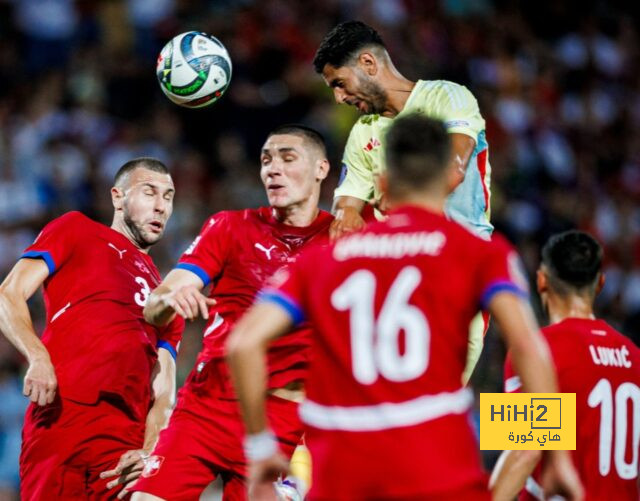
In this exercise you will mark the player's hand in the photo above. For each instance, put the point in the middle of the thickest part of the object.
(347, 220)
(560, 477)
(40, 381)
(127, 471)
(188, 302)
(262, 475)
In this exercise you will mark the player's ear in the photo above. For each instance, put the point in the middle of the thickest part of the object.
(322, 169)
(542, 282)
(117, 197)
(368, 63)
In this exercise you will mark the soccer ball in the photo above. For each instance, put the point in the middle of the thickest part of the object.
(194, 69)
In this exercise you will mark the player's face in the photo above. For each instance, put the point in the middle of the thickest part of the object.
(289, 170)
(147, 205)
(351, 85)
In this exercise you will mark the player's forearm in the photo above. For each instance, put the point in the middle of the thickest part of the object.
(529, 351)
(157, 420)
(462, 147)
(157, 311)
(349, 203)
(16, 325)
(247, 360)
(510, 473)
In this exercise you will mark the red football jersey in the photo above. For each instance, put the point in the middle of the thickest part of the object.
(602, 367)
(96, 335)
(391, 311)
(237, 251)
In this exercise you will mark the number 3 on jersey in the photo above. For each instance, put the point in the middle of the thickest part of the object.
(142, 296)
(375, 343)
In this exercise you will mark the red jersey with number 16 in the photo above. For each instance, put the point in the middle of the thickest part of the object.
(237, 251)
(602, 367)
(391, 311)
(96, 335)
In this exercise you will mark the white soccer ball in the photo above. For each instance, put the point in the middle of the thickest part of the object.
(194, 69)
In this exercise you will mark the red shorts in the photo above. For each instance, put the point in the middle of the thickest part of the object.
(204, 439)
(438, 459)
(66, 445)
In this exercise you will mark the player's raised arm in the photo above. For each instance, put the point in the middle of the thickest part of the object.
(15, 323)
(532, 360)
(179, 293)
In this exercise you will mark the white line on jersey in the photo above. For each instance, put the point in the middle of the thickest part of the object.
(60, 312)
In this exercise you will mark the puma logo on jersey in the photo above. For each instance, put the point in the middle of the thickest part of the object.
(265, 250)
(120, 252)
(60, 312)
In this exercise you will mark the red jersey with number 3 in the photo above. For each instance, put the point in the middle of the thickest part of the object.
(391, 309)
(602, 367)
(237, 251)
(96, 335)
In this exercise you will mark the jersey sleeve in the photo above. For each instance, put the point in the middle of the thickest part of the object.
(207, 254)
(512, 383)
(458, 109)
(500, 271)
(356, 177)
(170, 336)
(56, 242)
(287, 289)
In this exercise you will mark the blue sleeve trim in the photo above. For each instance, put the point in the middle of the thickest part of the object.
(194, 268)
(284, 301)
(44, 255)
(167, 346)
(500, 286)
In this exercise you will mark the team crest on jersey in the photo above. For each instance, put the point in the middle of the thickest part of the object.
(152, 466)
(141, 266)
(373, 143)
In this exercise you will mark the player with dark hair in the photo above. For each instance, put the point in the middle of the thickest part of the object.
(386, 414)
(354, 62)
(101, 380)
(594, 361)
(236, 252)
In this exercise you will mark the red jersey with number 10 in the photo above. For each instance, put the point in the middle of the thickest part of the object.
(391, 311)
(237, 251)
(602, 367)
(96, 335)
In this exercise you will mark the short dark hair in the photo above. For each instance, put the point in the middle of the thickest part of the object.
(417, 152)
(146, 162)
(307, 133)
(342, 42)
(573, 260)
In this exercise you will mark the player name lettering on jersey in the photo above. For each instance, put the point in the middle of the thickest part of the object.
(394, 246)
(616, 357)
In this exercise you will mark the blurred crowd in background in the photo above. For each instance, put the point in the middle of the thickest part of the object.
(557, 82)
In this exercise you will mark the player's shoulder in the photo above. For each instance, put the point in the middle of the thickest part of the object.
(74, 217)
(442, 86)
(75, 222)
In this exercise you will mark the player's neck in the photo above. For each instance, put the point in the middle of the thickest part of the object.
(296, 215)
(431, 201)
(572, 306)
(398, 89)
(119, 226)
